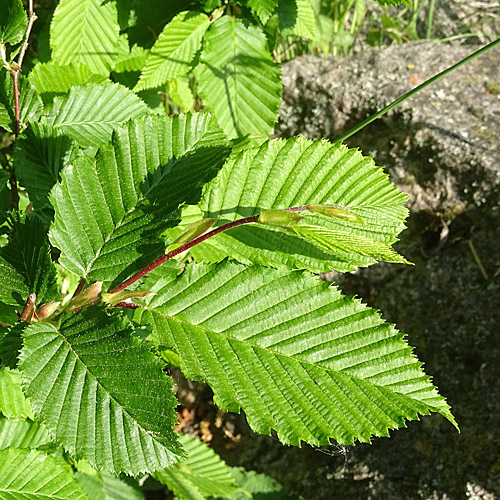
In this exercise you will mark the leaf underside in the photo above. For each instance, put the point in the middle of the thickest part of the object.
(101, 392)
(292, 351)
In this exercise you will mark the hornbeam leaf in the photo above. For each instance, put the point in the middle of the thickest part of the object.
(52, 77)
(101, 392)
(17, 433)
(296, 17)
(102, 486)
(87, 32)
(173, 53)
(263, 8)
(40, 155)
(31, 474)
(13, 21)
(299, 172)
(238, 80)
(26, 266)
(293, 352)
(13, 403)
(132, 192)
(203, 474)
(90, 113)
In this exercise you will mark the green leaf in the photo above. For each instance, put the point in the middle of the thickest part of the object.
(263, 8)
(238, 80)
(87, 32)
(293, 352)
(52, 77)
(33, 475)
(17, 433)
(180, 92)
(5, 121)
(297, 18)
(26, 265)
(102, 486)
(13, 22)
(5, 195)
(129, 201)
(39, 156)
(13, 403)
(173, 53)
(101, 392)
(257, 486)
(203, 473)
(90, 113)
(297, 172)
(10, 345)
(133, 61)
(30, 103)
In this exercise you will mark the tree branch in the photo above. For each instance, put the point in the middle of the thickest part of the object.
(28, 308)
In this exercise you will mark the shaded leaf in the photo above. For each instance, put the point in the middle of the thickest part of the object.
(10, 344)
(203, 473)
(293, 352)
(101, 392)
(174, 50)
(39, 156)
(263, 8)
(24, 474)
(133, 61)
(26, 265)
(103, 486)
(13, 21)
(296, 17)
(238, 80)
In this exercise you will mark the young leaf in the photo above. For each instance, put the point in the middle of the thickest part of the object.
(203, 473)
(13, 22)
(102, 486)
(238, 80)
(296, 17)
(173, 53)
(40, 155)
(128, 199)
(52, 77)
(133, 61)
(180, 92)
(31, 474)
(75, 39)
(17, 433)
(13, 403)
(263, 8)
(293, 352)
(26, 266)
(101, 392)
(298, 172)
(90, 113)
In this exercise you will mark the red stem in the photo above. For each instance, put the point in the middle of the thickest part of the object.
(190, 244)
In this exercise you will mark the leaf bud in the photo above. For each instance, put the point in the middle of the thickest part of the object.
(275, 217)
(335, 211)
(47, 310)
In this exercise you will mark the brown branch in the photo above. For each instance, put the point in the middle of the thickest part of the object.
(190, 244)
(28, 308)
(16, 69)
(127, 305)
